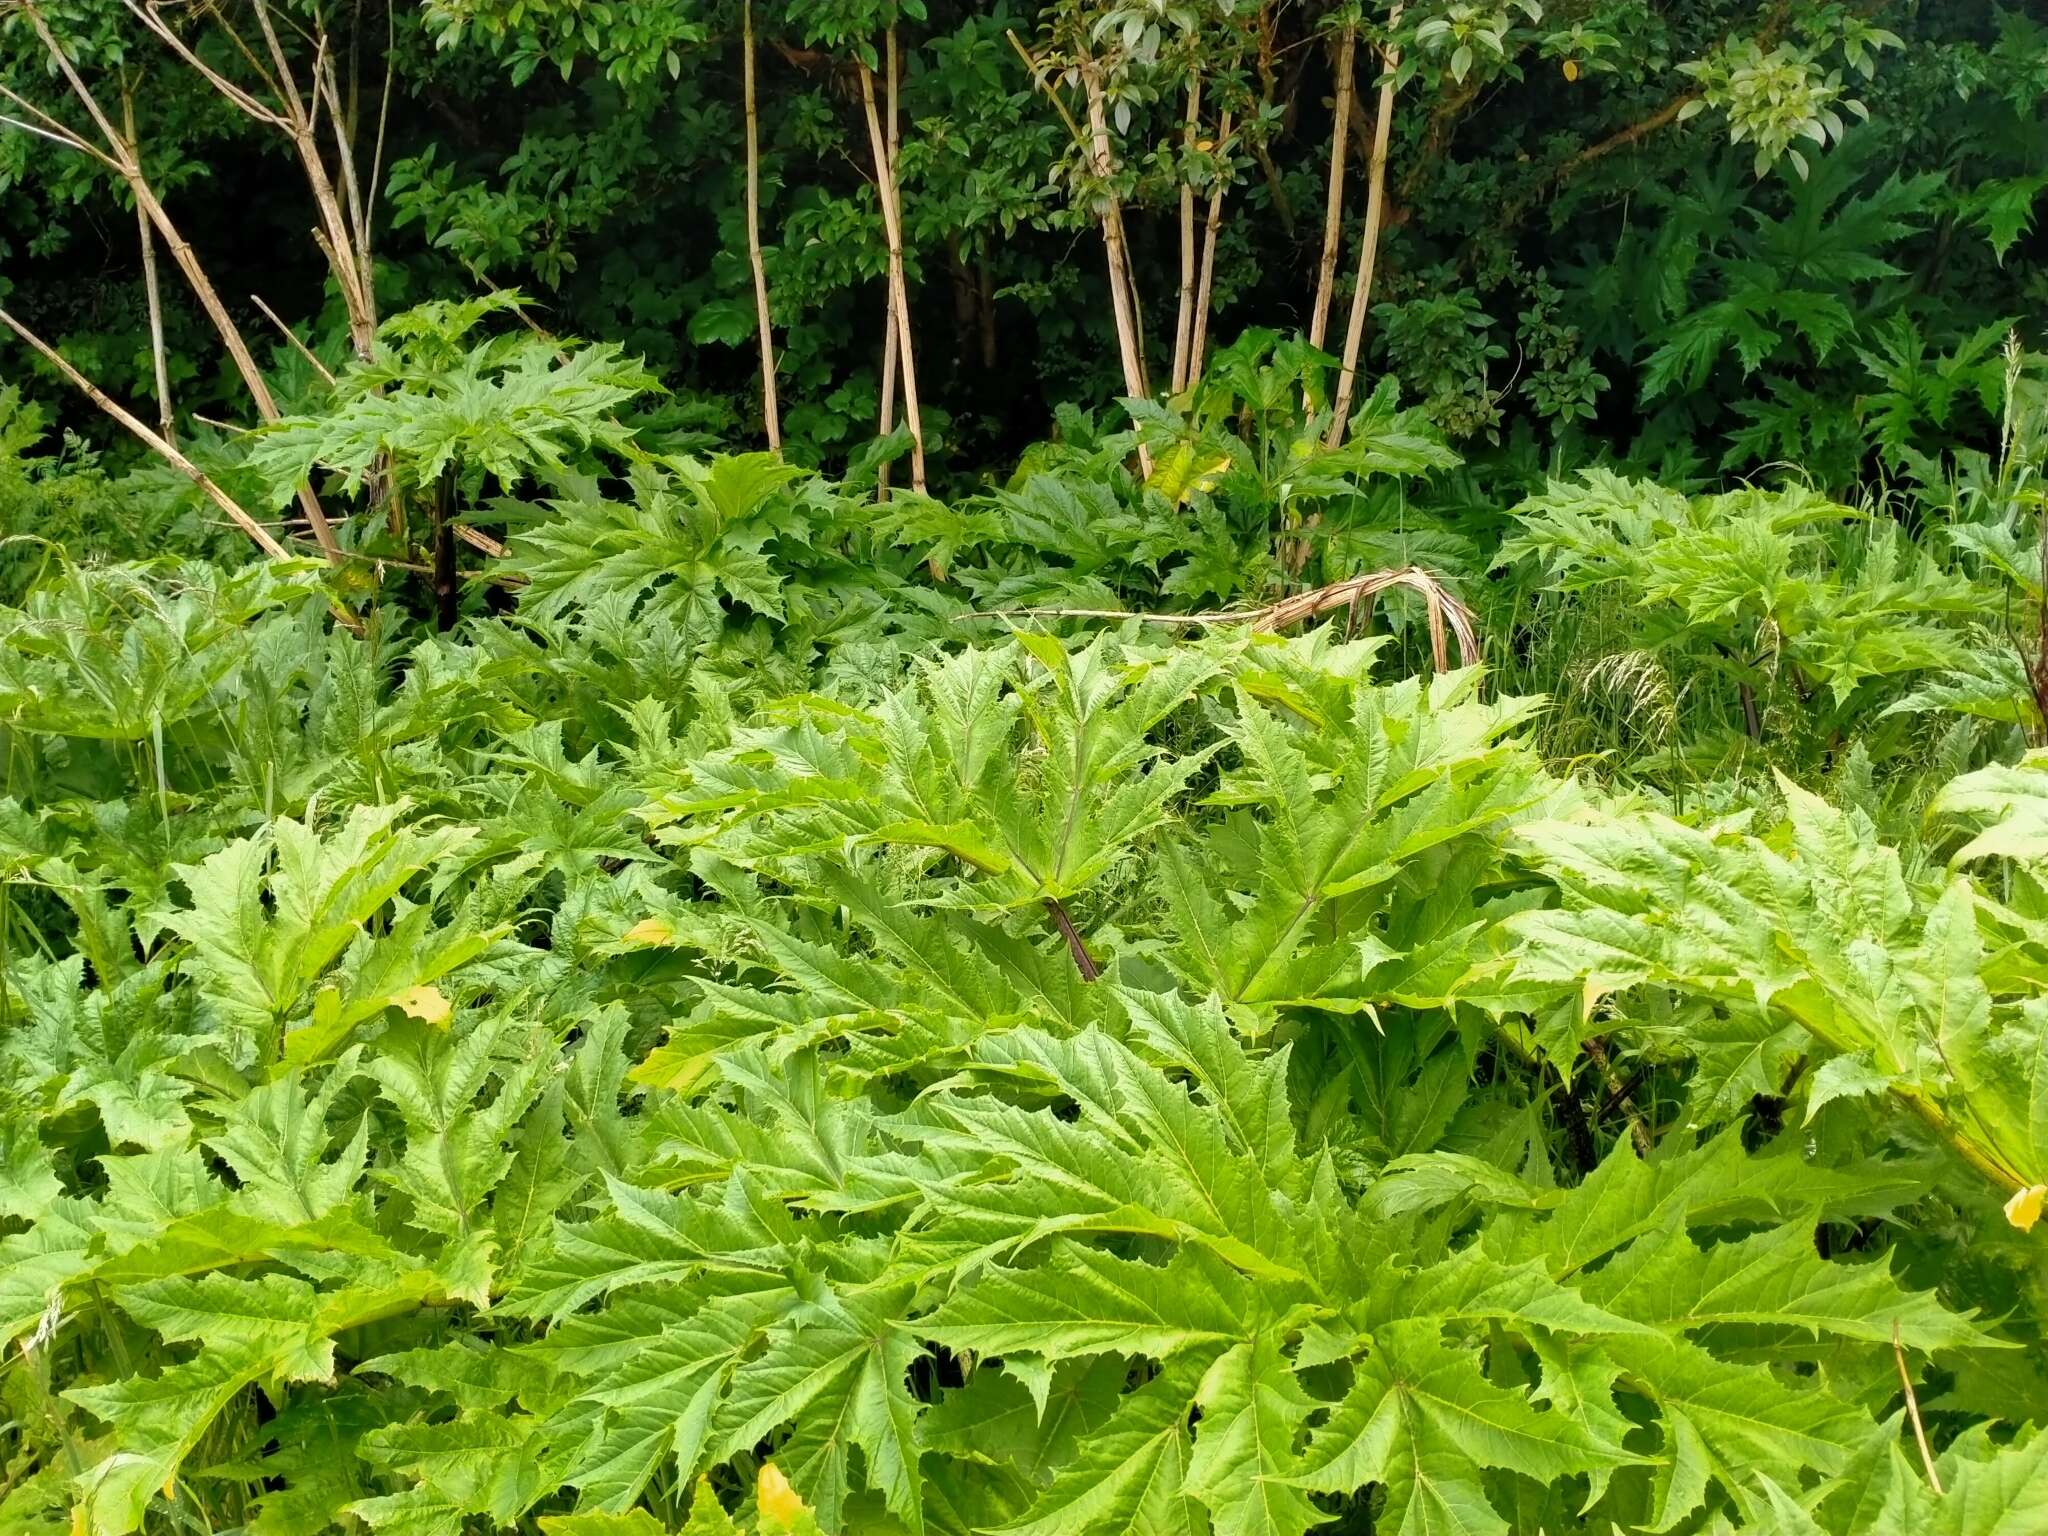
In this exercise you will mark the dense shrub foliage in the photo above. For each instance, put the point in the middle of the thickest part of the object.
(1704, 237)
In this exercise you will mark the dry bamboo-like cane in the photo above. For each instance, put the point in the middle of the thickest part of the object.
(1094, 143)
(1333, 207)
(1198, 350)
(1448, 617)
(892, 225)
(1122, 298)
(1369, 241)
(340, 244)
(345, 248)
(886, 421)
(771, 418)
(129, 167)
(1184, 322)
(292, 336)
(163, 448)
(152, 295)
(343, 126)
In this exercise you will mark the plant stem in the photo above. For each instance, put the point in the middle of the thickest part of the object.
(1333, 207)
(129, 166)
(152, 295)
(885, 186)
(1369, 241)
(771, 419)
(1184, 323)
(163, 449)
(1198, 348)
(1913, 1411)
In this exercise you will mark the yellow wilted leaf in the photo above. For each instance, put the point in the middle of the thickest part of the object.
(649, 930)
(1205, 145)
(779, 1502)
(2024, 1208)
(1589, 999)
(427, 1004)
(1571, 69)
(1179, 472)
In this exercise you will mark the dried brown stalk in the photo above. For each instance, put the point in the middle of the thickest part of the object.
(119, 156)
(292, 336)
(771, 416)
(1447, 617)
(1122, 295)
(1369, 241)
(892, 226)
(886, 421)
(152, 295)
(1184, 323)
(1094, 143)
(1333, 207)
(161, 446)
(1198, 349)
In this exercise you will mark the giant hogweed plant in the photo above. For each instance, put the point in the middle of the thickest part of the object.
(1061, 1089)
(1762, 626)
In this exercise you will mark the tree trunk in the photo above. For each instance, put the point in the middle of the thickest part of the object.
(1369, 241)
(985, 284)
(1333, 208)
(964, 297)
(771, 416)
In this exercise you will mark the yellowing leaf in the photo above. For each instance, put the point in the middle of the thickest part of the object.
(2024, 1208)
(649, 931)
(427, 1004)
(1590, 993)
(779, 1502)
(1571, 69)
(634, 1522)
(1179, 473)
